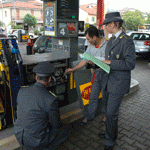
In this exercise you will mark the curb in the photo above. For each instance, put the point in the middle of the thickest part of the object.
(22, 43)
(9, 143)
(149, 65)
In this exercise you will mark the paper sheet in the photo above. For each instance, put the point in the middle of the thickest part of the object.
(99, 63)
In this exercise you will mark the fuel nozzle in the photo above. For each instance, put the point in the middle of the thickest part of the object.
(14, 50)
(14, 53)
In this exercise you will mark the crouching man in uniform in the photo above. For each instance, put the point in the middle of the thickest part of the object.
(38, 125)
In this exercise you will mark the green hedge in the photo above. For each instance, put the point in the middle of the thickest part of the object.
(36, 32)
(18, 27)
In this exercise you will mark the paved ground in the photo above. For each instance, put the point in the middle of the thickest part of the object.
(134, 120)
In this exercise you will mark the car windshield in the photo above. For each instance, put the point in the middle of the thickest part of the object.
(44, 41)
(140, 36)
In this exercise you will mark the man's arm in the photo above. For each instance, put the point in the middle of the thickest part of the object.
(80, 65)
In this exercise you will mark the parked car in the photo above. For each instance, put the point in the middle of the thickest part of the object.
(14, 33)
(44, 44)
(142, 43)
(1, 30)
(129, 32)
(81, 43)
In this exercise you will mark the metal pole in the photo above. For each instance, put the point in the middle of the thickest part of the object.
(87, 14)
(2, 11)
(15, 12)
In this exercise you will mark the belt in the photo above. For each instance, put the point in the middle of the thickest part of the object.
(95, 67)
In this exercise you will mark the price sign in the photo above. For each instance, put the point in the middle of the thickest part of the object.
(62, 29)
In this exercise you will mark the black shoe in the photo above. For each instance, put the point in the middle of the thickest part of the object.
(101, 135)
(108, 147)
(103, 122)
(84, 122)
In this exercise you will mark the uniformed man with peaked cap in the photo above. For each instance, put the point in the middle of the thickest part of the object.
(38, 125)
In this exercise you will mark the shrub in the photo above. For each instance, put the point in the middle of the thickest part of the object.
(18, 27)
(36, 32)
(41, 28)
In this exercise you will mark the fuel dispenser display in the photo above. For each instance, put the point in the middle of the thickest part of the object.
(61, 18)
(11, 78)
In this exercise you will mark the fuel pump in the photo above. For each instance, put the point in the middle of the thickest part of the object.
(11, 78)
(60, 42)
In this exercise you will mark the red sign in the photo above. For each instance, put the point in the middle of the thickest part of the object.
(49, 4)
(86, 92)
(71, 26)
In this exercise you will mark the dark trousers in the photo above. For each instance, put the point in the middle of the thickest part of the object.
(61, 137)
(111, 110)
(93, 100)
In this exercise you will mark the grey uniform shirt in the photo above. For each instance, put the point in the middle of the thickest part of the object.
(98, 53)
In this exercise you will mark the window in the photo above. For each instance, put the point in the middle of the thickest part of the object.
(140, 36)
(5, 13)
(93, 19)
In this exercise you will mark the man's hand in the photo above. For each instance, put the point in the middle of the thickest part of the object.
(69, 70)
(108, 62)
(90, 62)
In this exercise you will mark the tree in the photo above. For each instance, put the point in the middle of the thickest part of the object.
(12, 23)
(41, 28)
(31, 20)
(1, 23)
(36, 32)
(133, 20)
(148, 18)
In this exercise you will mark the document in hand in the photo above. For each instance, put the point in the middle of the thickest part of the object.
(96, 61)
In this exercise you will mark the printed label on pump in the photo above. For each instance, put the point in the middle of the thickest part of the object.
(24, 37)
(85, 90)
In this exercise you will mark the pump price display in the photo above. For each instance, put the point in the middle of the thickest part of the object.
(65, 29)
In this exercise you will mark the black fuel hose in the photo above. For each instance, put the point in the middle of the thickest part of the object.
(5, 93)
(5, 89)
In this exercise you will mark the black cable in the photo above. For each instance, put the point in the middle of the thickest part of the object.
(5, 92)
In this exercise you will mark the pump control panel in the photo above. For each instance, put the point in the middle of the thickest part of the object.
(61, 18)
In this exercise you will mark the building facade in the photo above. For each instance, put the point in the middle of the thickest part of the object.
(17, 10)
(87, 13)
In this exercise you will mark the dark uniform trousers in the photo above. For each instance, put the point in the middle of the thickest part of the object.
(63, 134)
(95, 91)
(117, 83)
(111, 111)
